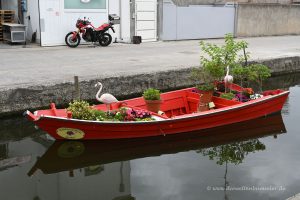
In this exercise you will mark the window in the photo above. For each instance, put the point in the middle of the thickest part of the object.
(85, 4)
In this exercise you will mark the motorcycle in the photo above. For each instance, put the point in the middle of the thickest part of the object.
(89, 33)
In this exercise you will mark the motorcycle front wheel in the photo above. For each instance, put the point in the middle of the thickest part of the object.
(72, 42)
(105, 39)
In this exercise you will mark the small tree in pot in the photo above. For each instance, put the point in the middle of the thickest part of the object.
(152, 99)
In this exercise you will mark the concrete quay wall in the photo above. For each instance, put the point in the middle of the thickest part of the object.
(16, 101)
(267, 19)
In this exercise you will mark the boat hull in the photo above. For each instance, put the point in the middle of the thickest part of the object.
(88, 130)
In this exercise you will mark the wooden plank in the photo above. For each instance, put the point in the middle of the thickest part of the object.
(7, 12)
(8, 17)
(6, 21)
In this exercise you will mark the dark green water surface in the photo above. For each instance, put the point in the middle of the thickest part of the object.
(258, 159)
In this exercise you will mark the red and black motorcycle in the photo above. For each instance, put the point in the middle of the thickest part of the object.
(89, 33)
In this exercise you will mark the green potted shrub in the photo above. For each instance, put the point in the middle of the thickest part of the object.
(152, 99)
(206, 91)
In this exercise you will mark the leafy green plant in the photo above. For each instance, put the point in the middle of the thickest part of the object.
(206, 87)
(229, 95)
(151, 94)
(259, 73)
(81, 110)
(219, 57)
(100, 115)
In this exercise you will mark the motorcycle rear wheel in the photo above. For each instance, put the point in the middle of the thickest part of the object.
(105, 39)
(70, 42)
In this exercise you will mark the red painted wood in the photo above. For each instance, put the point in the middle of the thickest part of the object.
(180, 106)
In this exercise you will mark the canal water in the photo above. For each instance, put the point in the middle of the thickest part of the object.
(258, 159)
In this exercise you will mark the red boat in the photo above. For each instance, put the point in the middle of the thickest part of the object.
(180, 110)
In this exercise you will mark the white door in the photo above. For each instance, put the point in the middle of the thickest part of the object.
(50, 20)
(146, 19)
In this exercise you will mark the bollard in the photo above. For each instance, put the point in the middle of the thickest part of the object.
(77, 88)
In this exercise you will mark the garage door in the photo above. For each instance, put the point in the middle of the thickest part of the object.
(196, 22)
(146, 20)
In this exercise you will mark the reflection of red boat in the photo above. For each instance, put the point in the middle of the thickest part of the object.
(70, 155)
(180, 108)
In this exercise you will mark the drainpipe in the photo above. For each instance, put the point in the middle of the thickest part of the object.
(20, 12)
(236, 6)
(120, 14)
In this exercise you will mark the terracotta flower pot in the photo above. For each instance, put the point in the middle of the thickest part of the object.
(153, 105)
(203, 107)
(206, 97)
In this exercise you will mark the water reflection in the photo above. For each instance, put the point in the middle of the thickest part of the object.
(282, 82)
(16, 129)
(233, 153)
(70, 155)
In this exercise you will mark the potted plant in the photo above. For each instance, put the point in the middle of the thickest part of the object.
(206, 91)
(152, 99)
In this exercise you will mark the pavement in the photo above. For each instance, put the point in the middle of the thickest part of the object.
(24, 67)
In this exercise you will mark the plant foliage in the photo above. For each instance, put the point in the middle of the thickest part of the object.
(233, 54)
(229, 95)
(233, 153)
(206, 87)
(82, 110)
(219, 57)
(151, 94)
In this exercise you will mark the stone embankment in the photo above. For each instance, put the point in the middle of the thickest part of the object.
(20, 99)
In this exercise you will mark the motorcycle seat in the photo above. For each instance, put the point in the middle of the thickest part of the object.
(103, 26)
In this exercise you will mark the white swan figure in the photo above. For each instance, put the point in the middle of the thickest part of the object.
(106, 98)
(228, 79)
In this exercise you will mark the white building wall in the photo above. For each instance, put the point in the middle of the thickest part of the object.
(32, 24)
(125, 20)
(114, 8)
(56, 21)
(122, 9)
